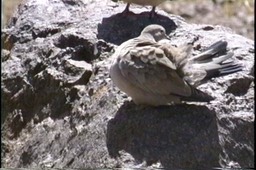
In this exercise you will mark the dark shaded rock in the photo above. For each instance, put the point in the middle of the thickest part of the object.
(151, 135)
(240, 86)
(79, 71)
(116, 28)
(82, 48)
(44, 32)
(61, 110)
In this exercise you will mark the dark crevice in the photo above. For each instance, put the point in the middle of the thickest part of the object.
(240, 86)
(42, 33)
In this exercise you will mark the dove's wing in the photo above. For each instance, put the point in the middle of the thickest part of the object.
(148, 68)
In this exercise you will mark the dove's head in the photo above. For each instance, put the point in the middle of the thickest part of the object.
(155, 32)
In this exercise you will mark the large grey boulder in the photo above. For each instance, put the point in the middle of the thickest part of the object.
(61, 110)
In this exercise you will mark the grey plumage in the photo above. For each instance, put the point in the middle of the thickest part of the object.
(156, 73)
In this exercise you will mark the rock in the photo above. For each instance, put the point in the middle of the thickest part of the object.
(163, 135)
(235, 127)
(61, 110)
(79, 71)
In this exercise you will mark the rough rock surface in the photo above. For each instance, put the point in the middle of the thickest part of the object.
(61, 110)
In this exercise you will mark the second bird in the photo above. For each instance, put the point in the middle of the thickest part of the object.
(152, 3)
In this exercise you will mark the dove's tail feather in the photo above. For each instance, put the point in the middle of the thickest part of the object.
(218, 67)
(197, 96)
(215, 63)
(222, 70)
(216, 48)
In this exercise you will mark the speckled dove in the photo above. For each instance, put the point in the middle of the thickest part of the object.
(156, 73)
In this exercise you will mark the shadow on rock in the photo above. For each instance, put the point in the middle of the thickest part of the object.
(183, 136)
(119, 28)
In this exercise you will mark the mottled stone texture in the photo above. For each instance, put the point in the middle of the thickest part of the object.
(61, 110)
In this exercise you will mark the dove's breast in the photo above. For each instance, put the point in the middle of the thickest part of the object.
(119, 80)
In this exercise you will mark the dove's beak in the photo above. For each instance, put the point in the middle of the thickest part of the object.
(167, 37)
